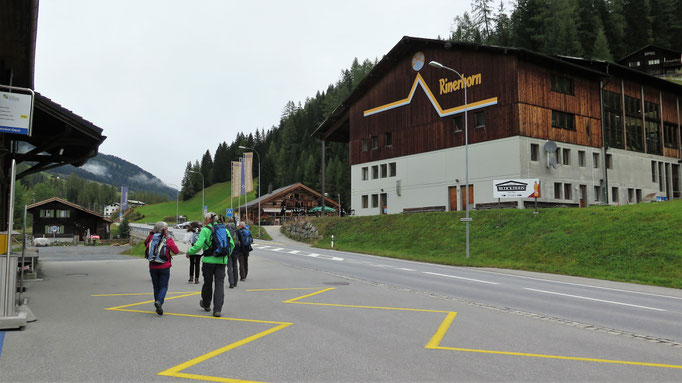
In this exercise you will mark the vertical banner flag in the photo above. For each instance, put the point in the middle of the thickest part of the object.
(124, 198)
(248, 171)
(236, 177)
(242, 186)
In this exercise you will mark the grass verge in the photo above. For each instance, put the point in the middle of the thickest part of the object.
(637, 243)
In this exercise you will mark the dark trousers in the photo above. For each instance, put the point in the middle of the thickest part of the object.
(213, 271)
(160, 279)
(194, 265)
(243, 265)
(233, 269)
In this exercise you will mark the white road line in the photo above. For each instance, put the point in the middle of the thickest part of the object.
(404, 269)
(294, 251)
(466, 279)
(335, 258)
(314, 255)
(577, 284)
(594, 299)
(277, 249)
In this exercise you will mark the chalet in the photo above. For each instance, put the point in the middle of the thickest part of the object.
(286, 202)
(63, 219)
(591, 132)
(653, 60)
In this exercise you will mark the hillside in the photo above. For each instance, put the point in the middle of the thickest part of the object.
(636, 243)
(112, 170)
(217, 199)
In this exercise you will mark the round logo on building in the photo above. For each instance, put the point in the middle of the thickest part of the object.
(418, 61)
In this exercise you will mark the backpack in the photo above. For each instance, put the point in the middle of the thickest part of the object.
(220, 242)
(195, 237)
(235, 236)
(248, 239)
(156, 249)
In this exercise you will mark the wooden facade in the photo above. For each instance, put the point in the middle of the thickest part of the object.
(286, 202)
(521, 82)
(68, 218)
(653, 60)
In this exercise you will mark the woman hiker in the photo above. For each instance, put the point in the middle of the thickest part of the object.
(160, 272)
(195, 259)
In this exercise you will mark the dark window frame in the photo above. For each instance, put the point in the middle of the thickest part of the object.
(561, 84)
(563, 120)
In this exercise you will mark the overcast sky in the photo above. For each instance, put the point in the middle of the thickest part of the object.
(167, 80)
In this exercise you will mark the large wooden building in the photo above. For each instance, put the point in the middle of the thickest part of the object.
(617, 130)
(55, 217)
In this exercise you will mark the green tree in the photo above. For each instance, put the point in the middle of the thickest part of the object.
(601, 47)
(44, 191)
(207, 168)
(638, 28)
(124, 228)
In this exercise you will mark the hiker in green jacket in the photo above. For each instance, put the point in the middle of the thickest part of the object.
(212, 268)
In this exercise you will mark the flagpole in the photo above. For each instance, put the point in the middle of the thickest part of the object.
(231, 187)
(246, 198)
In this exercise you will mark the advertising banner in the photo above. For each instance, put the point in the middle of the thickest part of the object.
(248, 171)
(518, 188)
(15, 113)
(124, 198)
(236, 177)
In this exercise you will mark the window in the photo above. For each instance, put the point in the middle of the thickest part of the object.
(557, 190)
(661, 173)
(567, 191)
(653, 171)
(563, 120)
(63, 213)
(391, 169)
(613, 120)
(581, 158)
(638, 195)
(457, 124)
(653, 62)
(480, 119)
(631, 195)
(365, 174)
(597, 193)
(375, 172)
(633, 64)
(375, 142)
(595, 160)
(60, 229)
(609, 162)
(633, 124)
(534, 150)
(365, 202)
(652, 126)
(562, 84)
(375, 200)
(614, 194)
(567, 156)
(388, 139)
(364, 144)
(47, 213)
(384, 170)
(670, 135)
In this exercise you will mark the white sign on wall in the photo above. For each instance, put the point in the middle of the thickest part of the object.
(15, 113)
(516, 188)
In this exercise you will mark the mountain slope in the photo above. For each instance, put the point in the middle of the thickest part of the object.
(116, 171)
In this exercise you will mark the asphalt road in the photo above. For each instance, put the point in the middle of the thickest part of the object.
(302, 317)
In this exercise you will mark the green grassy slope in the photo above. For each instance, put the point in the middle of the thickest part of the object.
(217, 198)
(637, 243)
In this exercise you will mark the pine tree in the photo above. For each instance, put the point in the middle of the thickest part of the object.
(637, 24)
(482, 13)
(207, 168)
(601, 47)
(187, 190)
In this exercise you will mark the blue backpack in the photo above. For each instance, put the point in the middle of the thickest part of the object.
(156, 249)
(248, 239)
(221, 242)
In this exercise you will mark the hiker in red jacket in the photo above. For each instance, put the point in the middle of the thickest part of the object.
(160, 272)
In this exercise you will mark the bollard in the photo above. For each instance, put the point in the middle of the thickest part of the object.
(332, 241)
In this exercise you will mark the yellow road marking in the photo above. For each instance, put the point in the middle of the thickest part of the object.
(442, 329)
(292, 288)
(131, 294)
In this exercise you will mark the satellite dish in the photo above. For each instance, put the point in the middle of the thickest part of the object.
(550, 147)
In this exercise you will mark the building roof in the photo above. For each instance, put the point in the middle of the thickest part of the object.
(67, 203)
(648, 47)
(336, 128)
(284, 190)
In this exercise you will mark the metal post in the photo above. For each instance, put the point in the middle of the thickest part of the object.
(246, 197)
(466, 148)
(9, 289)
(23, 256)
(322, 204)
(339, 199)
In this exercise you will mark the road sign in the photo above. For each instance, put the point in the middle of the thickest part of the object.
(228, 213)
(15, 113)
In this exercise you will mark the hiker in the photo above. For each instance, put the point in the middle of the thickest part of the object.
(160, 272)
(245, 240)
(194, 260)
(213, 268)
(233, 261)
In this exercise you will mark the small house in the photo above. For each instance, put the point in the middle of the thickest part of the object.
(58, 218)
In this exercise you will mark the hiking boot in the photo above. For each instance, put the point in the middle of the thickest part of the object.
(206, 308)
(159, 309)
(196, 281)
(190, 280)
(232, 286)
(216, 314)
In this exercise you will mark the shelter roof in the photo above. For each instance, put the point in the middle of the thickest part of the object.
(67, 203)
